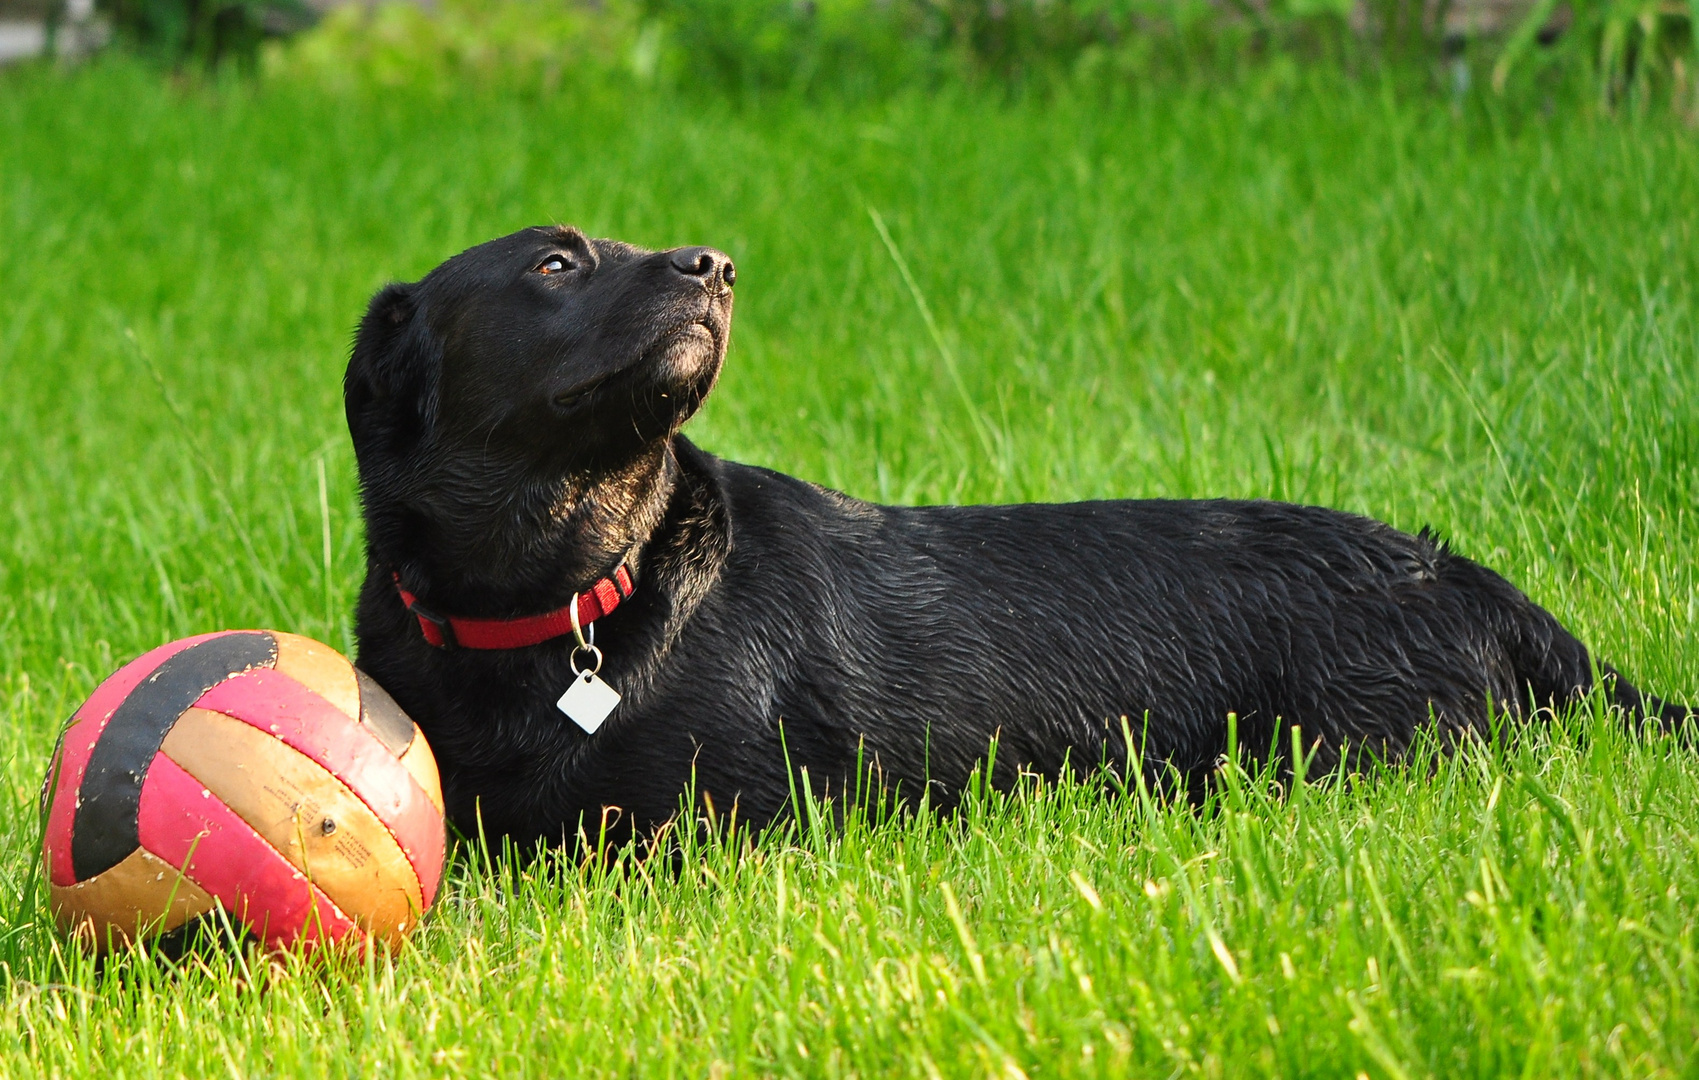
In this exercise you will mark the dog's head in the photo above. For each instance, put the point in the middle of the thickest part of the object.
(525, 380)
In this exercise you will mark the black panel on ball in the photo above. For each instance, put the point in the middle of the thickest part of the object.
(104, 830)
(382, 716)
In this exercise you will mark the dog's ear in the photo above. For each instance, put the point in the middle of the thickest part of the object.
(390, 387)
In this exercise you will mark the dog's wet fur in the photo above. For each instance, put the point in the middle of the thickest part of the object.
(516, 417)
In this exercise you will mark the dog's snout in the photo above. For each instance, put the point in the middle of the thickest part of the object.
(713, 268)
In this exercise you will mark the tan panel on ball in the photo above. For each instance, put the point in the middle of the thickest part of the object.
(291, 801)
(320, 669)
(142, 892)
(419, 761)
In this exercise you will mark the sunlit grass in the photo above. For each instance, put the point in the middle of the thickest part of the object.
(1326, 294)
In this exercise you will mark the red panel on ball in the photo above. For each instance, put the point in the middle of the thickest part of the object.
(78, 743)
(277, 704)
(189, 827)
(62, 811)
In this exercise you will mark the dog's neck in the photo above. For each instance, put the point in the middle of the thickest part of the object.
(505, 553)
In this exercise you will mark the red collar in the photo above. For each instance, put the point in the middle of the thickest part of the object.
(446, 631)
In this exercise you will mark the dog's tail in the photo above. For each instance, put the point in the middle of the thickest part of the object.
(1556, 671)
(1640, 707)
(1551, 668)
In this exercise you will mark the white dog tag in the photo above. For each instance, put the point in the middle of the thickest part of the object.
(588, 701)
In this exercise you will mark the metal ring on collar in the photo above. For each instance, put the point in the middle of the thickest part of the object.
(595, 656)
(578, 631)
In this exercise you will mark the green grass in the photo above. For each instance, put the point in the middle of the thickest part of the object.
(1325, 293)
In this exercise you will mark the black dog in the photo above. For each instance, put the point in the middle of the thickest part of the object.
(516, 414)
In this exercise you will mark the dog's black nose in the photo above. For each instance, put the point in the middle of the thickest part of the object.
(710, 266)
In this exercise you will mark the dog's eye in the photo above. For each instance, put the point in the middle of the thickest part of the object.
(555, 264)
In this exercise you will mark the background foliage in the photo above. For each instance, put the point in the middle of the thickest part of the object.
(206, 33)
(1628, 51)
